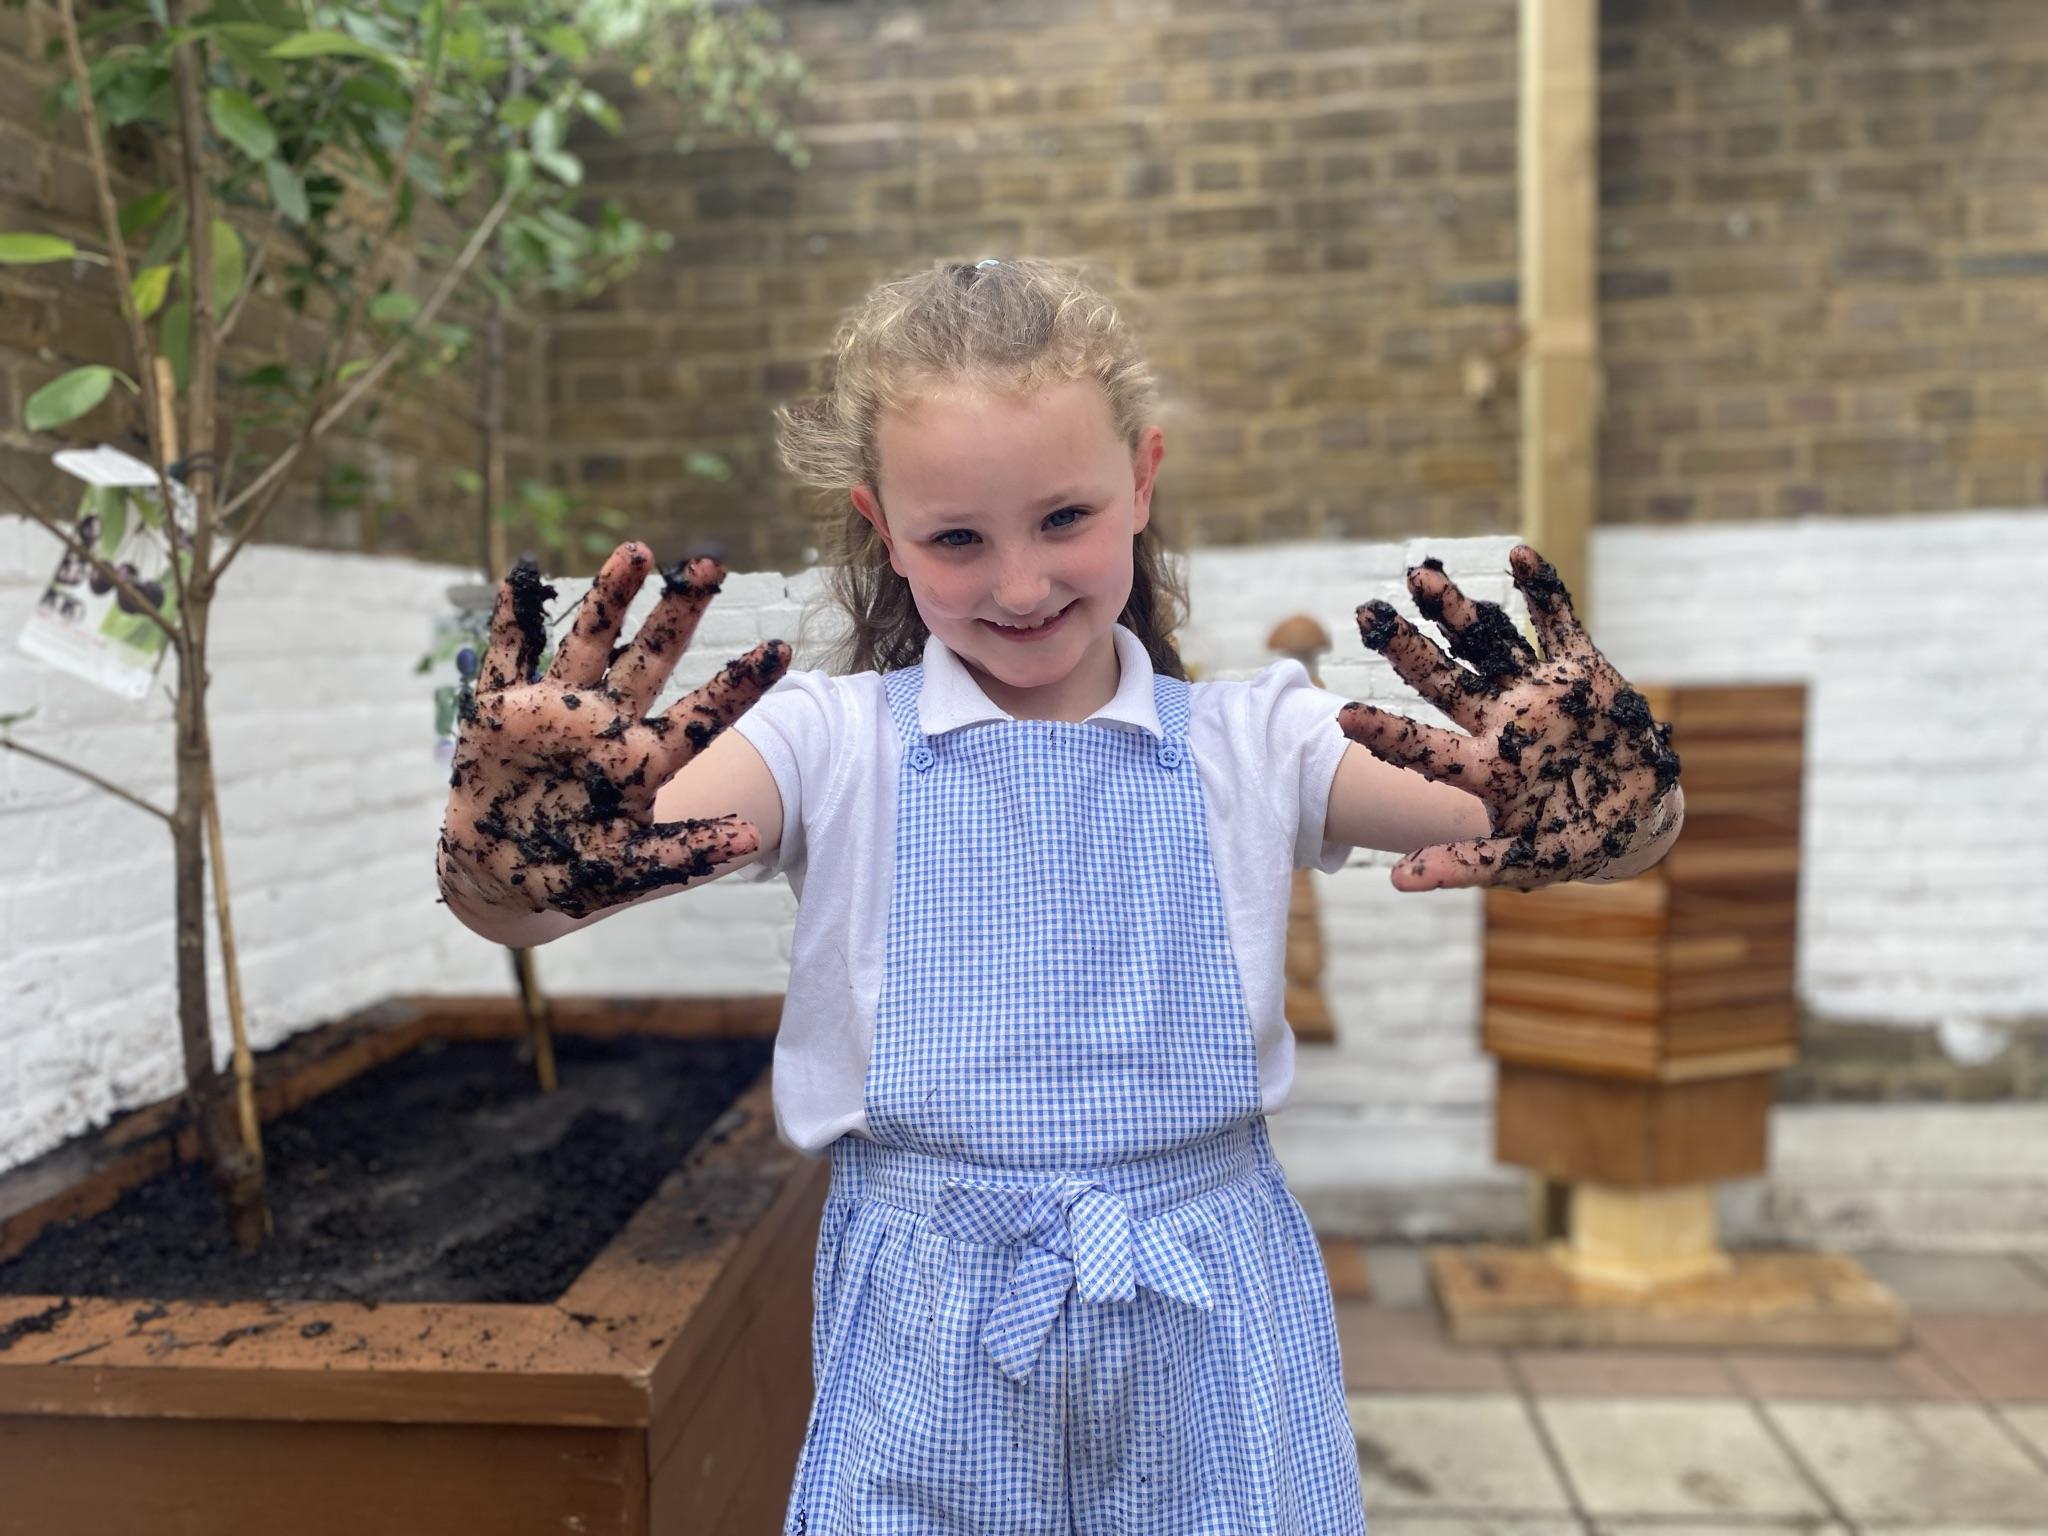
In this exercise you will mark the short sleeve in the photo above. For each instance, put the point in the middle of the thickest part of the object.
(798, 727)
(1292, 725)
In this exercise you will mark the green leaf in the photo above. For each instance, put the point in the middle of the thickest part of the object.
(546, 131)
(567, 43)
(25, 249)
(144, 211)
(603, 112)
(350, 369)
(67, 397)
(287, 191)
(394, 307)
(241, 122)
(561, 165)
(169, 237)
(229, 265)
(437, 34)
(174, 340)
(149, 289)
(320, 45)
(708, 466)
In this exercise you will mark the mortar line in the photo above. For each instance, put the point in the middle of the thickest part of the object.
(1551, 1453)
(1760, 1411)
(2011, 1431)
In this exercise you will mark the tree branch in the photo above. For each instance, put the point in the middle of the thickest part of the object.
(318, 419)
(138, 336)
(91, 778)
(272, 478)
(142, 604)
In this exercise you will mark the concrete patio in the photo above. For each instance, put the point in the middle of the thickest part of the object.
(1948, 1437)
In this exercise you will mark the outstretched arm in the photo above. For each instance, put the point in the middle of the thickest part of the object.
(1560, 774)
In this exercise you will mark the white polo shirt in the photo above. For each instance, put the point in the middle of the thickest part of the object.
(1267, 749)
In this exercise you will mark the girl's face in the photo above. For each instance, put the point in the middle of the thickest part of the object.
(1012, 519)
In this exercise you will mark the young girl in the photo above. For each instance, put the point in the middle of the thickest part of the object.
(1034, 1008)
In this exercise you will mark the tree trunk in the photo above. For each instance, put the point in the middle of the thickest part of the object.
(209, 1093)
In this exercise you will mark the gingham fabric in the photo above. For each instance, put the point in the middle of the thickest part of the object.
(1064, 1290)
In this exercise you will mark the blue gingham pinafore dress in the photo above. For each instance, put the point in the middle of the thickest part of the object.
(1062, 1288)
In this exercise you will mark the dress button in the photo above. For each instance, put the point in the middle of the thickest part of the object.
(922, 757)
(1169, 756)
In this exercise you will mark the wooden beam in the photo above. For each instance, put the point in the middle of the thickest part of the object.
(1560, 265)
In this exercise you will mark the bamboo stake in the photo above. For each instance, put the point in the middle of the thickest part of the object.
(534, 1004)
(250, 1124)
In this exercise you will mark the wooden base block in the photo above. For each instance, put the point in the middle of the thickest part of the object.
(1642, 1239)
(1497, 1295)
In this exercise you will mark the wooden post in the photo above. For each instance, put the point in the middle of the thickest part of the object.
(1559, 171)
(1560, 266)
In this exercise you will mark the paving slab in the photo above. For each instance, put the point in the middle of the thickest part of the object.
(1403, 1349)
(2032, 1424)
(1911, 1375)
(1804, 1527)
(2003, 1358)
(1657, 1456)
(1625, 1373)
(1961, 1282)
(1468, 1455)
(1926, 1462)
(1398, 1524)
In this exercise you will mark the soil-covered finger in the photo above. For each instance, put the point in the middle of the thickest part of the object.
(1550, 605)
(640, 668)
(1480, 633)
(519, 628)
(585, 651)
(694, 721)
(1458, 691)
(1429, 750)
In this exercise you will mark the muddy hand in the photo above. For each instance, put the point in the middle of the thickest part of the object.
(1573, 770)
(551, 801)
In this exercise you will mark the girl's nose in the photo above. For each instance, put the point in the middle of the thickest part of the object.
(1021, 588)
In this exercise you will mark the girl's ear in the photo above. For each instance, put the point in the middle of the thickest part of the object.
(1145, 466)
(866, 504)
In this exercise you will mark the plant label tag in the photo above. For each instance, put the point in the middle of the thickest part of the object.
(84, 624)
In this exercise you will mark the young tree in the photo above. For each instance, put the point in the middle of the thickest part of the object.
(339, 130)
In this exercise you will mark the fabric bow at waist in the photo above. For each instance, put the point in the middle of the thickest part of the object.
(1080, 1236)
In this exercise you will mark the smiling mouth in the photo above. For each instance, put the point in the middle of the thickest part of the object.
(1029, 631)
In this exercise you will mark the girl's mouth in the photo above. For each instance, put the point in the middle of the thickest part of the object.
(1024, 635)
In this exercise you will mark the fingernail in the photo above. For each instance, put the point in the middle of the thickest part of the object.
(1379, 634)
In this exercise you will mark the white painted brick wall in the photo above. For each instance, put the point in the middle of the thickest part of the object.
(1924, 896)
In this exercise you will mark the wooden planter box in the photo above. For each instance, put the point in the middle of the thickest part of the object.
(665, 1391)
(1639, 1026)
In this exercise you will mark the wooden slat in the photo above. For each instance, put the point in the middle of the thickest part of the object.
(1574, 996)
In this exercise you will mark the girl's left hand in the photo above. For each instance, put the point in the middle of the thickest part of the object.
(1563, 752)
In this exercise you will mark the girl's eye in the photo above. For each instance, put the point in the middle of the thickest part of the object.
(957, 538)
(1066, 517)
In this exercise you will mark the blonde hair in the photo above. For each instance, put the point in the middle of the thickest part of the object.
(1009, 326)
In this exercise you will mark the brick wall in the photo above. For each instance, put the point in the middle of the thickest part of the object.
(1824, 284)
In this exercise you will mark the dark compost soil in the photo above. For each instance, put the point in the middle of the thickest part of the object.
(443, 1175)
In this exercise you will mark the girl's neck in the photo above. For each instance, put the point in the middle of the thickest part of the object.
(1083, 691)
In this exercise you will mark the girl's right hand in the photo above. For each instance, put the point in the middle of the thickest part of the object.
(550, 804)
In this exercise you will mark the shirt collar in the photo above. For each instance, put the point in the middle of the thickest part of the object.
(950, 698)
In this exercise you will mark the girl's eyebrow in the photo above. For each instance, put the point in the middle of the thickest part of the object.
(1043, 504)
